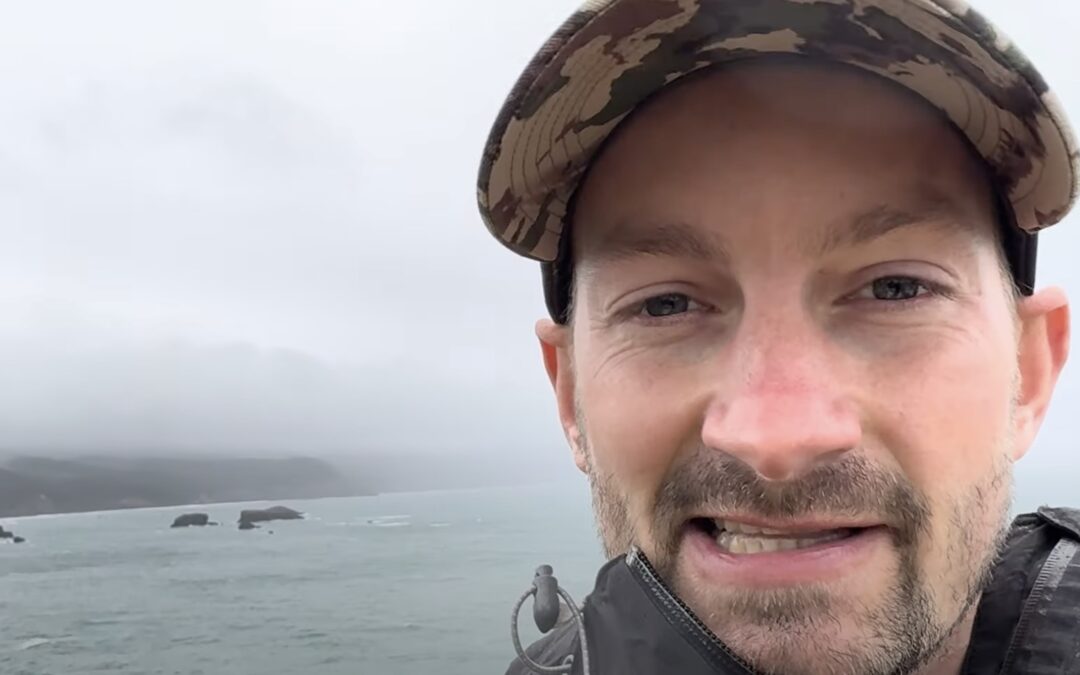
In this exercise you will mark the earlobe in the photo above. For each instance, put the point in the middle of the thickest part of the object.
(555, 346)
(1042, 352)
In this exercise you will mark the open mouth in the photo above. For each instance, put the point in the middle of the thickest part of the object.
(741, 539)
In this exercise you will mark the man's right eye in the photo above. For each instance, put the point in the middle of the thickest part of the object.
(668, 304)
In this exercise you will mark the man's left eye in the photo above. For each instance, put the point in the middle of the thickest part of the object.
(896, 288)
(668, 304)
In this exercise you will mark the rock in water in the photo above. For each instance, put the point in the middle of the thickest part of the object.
(189, 519)
(248, 525)
(18, 540)
(272, 513)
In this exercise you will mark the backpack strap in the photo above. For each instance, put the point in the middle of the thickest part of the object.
(1046, 639)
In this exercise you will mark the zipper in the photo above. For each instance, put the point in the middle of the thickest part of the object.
(683, 617)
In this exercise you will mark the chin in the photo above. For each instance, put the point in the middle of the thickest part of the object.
(841, 625)
(797, 653)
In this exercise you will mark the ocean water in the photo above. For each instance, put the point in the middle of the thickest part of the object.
(400, 584)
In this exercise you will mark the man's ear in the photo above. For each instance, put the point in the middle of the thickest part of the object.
(555, 345)
(1042, 351)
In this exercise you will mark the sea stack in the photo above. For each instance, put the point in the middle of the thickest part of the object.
(272, 513)
(192, 520)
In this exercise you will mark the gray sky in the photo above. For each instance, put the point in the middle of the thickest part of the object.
(252, 226)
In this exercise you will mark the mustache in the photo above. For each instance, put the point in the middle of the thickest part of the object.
(714, 482)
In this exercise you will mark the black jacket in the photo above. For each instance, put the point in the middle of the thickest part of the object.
(1027, 622)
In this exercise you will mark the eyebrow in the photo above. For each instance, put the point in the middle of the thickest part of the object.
(939, 211)
(670, 240)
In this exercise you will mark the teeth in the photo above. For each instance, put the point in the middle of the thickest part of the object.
(741, 528)
(743, 543)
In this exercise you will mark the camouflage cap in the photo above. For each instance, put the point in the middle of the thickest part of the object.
(611, 55)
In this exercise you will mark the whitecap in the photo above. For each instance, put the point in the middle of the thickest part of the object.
(382, 521)
(30, 644)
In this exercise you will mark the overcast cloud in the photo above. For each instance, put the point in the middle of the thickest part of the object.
(251, 226)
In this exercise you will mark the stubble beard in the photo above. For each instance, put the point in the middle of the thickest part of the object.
(794, 631)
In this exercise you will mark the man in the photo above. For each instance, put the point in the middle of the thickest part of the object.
(788, 249)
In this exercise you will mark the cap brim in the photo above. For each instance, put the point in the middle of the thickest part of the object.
(614, 54)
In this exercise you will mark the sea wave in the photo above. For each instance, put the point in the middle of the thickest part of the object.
(30, 644)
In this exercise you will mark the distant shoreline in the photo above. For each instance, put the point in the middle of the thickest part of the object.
(32, 486)
(210, 505)
(204, 506)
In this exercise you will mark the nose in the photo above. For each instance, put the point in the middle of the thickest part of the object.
(780, 404)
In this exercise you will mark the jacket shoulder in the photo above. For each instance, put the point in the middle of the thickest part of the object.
(1027, 621)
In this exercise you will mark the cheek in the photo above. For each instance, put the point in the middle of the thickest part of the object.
(943, 410)
(638, 420)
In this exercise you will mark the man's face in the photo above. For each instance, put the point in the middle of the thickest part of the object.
(790, 317)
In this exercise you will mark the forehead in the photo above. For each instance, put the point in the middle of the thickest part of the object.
(815, 147)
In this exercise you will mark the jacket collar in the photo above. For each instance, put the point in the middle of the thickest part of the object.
(637, 626)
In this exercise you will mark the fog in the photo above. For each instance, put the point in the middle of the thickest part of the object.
(251, 227)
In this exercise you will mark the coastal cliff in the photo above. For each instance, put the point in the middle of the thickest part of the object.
(37, 485)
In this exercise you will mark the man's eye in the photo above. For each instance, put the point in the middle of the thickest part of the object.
(897, 288)
(668, 304)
